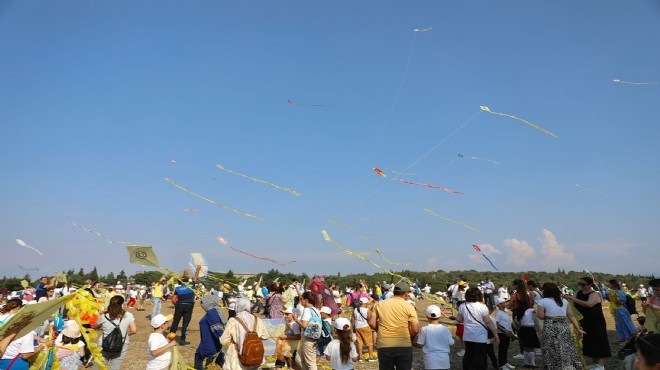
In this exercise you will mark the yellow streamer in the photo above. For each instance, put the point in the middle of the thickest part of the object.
(110, 241)
(82, 306)
(214, 202)
(339, 223)
(327, 238)
(450, 220)
(390, 262)
(290, 191)
(635, 83)
(484, 108)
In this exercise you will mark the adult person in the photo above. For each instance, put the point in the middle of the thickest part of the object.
(396, 322)
(9, 309)
(588, 301)
(157, 296)
(306, 352)
(183, 308)
(642, 293)
(273, 302)
(18, 351)
(476, 322)
(624, 325)
(489, 291)
(50, 295)
(211, 328)
(651, 308)
(557, 342)
(648, 353)
(234, 334)
(44, 285)
(116, 317)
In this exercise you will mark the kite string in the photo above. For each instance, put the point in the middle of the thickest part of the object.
(262, 258)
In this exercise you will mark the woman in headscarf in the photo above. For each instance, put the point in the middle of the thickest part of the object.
(211, 328)
(232, 338)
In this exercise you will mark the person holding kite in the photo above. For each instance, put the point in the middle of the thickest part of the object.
(183, 308)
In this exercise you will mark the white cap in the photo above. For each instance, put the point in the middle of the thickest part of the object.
(439, 292)
(641, 285)
(342, 322)
(326, 309)
(364, 300)
(433, 311)
(159, 320)
(499, 300)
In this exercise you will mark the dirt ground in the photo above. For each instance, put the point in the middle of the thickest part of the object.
(137, 355)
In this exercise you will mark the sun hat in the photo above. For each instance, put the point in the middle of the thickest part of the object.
(287, 311)
(71, 330)
(499, 300)
(159, 320)
(341, 322)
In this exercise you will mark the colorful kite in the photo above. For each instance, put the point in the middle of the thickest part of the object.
(214, 202)
(380, 172)
(450, 220)
(110, 241)
(290, 191)
(28, 246)
(484, 108)
(429, 186)
(221, 240)
(476, 158)
(27, 269)
(262, 258)
(310, 105)
(424, 30)
(635, 83)
(588, 189)
(390, 262)
(339, 223)
(476, 248)
(327, 238)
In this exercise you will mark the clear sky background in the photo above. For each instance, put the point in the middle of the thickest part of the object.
(96, 98)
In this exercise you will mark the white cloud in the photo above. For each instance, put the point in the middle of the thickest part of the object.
(521, 254)
(554, 254)
(488, 249)
(433, 262)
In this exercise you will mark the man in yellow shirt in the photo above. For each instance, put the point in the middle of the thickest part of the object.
(396, 322)
(157, 296)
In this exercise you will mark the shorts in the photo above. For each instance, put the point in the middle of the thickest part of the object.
(364, 336)
(459, 330)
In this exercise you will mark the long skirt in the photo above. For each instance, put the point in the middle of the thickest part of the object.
(559, 352)
(625, 328)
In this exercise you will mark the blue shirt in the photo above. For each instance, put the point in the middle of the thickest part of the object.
(40, 291)
(185, 294)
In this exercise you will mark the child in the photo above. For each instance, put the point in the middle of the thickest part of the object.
(159, 346)
(341, 352)
(434, 340)
(70, 349)
(505, 333)
(324, 341)
(231, 308)
(290, 338)
(362, 330)
(491, 344)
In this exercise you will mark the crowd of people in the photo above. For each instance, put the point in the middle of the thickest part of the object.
(369, 322)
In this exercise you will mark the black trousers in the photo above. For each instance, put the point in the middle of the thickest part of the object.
(503, 349)
(390, 358)
(185, 311)
(475, 356)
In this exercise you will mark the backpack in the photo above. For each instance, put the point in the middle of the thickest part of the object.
(630, 305)
(355, 302)
(326, 334)
(113, 342)
(314, 326)
(252, 352)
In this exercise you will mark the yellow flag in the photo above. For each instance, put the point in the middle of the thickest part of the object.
(178, 363)
(142, 255)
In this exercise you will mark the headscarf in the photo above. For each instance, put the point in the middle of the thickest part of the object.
(243, 307)
(216, 318)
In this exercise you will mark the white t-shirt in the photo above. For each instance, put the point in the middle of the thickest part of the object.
(474, 331)
(361, 317)
(436, 339)
(504, 320)
(25, 344)
(332, 350)
(489, 287)
(108, 327)
(642, 292)
(158, 340)
(552, 309)
(307, 314)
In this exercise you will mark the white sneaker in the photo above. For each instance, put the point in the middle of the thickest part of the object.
(460, 353)
(509, 366)
(519, 356)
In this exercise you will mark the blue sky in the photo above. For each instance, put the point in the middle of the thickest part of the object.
(97, 98)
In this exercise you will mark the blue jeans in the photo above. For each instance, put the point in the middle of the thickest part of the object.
(155, 306)
(390, 358)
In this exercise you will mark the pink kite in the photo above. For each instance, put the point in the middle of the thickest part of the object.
(429, 186)
(221, 240)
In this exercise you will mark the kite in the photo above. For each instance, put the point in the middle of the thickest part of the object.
(221, 240)
(197, 261)
(635, 83)
(390, 262)
(290, 191)
(588, 189)
(214, 202)
(380, 172)
(261, 258)
(173, 160)
(339, 223)
(476, 248)
(429, 186)
(484, 108)
(477, 158)
(27, 269)
(360, 256)
(28, 246)
(450, 220)
(142, 255)
(310, 105)
(191, 210)
(424, 30)
(110, 241)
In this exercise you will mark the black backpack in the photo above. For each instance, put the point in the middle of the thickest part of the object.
(113, 342)
(630, 305)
